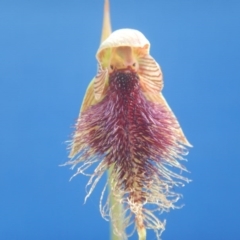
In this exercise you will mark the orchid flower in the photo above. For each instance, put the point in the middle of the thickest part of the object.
(125, 125)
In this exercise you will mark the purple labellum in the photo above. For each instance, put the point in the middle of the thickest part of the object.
(137, 138)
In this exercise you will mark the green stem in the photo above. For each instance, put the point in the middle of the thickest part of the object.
(142, 234)
(118, 208)
(117, 211)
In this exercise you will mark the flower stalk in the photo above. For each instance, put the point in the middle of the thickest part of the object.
(118, 208)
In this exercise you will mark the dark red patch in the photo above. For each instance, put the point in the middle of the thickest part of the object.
(130, 131)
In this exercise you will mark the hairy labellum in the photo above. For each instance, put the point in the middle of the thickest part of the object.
(137, 139)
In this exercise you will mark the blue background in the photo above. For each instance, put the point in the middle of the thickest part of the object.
(47, 59)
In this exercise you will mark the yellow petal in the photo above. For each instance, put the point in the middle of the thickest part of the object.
(151, 79)
(100, 83)
(106, 30)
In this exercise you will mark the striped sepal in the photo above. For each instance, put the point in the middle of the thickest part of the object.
(99, 82)
(150, 74)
